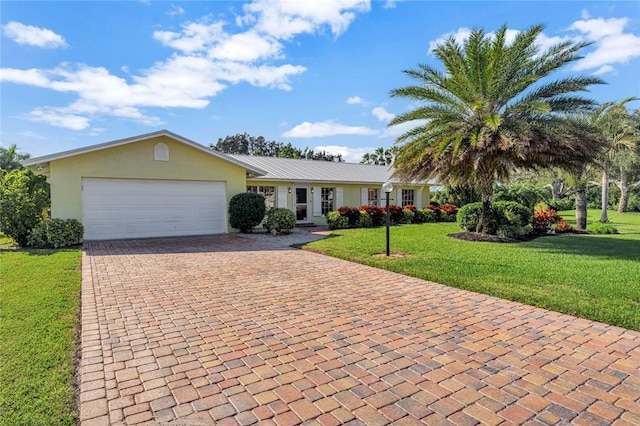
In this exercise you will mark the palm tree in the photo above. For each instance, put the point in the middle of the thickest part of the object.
(489, 114)
(616, 134)
(380, 157)
(10, 158)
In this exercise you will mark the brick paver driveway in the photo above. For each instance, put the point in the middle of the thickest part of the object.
(225, 330)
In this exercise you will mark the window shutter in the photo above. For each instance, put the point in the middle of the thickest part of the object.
(339, 198)
(398, 200)
(317, 201)
(283, 193)
(364, 194)
(418, 198)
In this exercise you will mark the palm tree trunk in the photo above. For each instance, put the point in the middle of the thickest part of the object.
(624, 192)
(581, 208)
(605, 196)
(487, 223)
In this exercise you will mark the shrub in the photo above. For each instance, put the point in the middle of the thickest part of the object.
(512, 213)
(376, 214)
(365, 220)
(407, 215)
(436, 210)
(633, 205)
(24, 199)
(563, 226)
(351, 213)
(280, 221)
(423, 216)
(563, 204)
(543, 219)
(448, 212)
(602, 228)
(410, 207)
(246, 210)
(515, 232)
(56, 233)
(337, 221)
(469, 216)
(395, 214)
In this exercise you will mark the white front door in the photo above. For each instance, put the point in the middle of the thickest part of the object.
(302, 204)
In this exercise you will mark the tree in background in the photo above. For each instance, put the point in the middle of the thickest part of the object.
(245, 144)
(10, 158)
(617, 136)
(489, 113)
(626, 163)
(380, 157)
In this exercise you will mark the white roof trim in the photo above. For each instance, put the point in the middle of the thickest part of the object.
(92, 148)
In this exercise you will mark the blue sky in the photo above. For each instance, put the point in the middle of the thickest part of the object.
(316, 74)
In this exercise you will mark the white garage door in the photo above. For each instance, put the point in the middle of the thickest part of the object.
(128, 208)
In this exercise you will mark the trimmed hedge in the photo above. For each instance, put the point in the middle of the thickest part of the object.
(56, 233)
(280, 221)
(246, 211)
(371, 216)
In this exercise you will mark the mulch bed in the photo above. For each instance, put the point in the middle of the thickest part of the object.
(475, 236)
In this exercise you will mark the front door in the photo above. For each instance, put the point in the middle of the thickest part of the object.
(302, 204)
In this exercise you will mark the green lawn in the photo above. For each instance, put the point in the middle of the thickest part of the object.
(590, 276)
(39, 302)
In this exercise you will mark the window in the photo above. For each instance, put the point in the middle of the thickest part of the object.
(374, 196)
(326, 198)
(407, 197)
(268, 192)
(161, 152)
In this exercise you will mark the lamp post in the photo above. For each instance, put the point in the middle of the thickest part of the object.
(387, 188)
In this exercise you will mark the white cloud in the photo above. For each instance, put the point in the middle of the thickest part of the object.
(32, 36)
(382, 114)
(350, 155)
(400, 129)
(175, 10)
(59, 119)
(326, 128)
(612, 44)
(390, 4)
(284, 19)
(205, 60)
(603, 70)
(460, 35)
(194, 37)
(356, 100)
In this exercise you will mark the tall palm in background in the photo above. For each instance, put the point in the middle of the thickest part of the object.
(618, 137)
(10, 158)
(488, 113)
(380, 157)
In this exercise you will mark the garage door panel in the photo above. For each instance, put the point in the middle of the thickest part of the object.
(129, 208)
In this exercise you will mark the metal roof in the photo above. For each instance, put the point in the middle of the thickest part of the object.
(295, 170)
(111, 144)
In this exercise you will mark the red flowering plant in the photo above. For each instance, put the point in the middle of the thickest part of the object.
(450, 211)
(352, 213)
(376, 214)
(563, 226)
(411, 207)
(396, 214)
(543, 219)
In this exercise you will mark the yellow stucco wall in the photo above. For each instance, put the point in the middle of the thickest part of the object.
(136, 161)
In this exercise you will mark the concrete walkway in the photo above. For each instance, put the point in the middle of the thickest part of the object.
(227, 330)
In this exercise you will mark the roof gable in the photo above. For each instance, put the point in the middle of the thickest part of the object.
(112, 144)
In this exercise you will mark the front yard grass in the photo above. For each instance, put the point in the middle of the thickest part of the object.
(591, 276)
(39, 302)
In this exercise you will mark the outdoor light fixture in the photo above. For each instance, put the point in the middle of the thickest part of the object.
(289, 190)
(387, 187)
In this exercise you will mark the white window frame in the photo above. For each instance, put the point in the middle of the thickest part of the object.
(408, 194)
(267, 191)
(327, 198)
